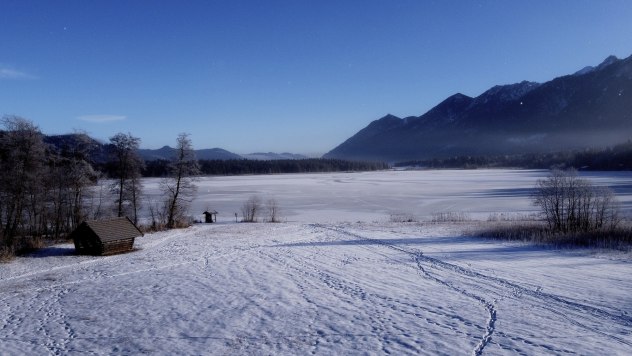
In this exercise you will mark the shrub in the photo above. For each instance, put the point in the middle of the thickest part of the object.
(450, 216)
(251, 209)
(537, 232)
(571, 204)
(402, 217)
(6, 253)
(273, 211)
(532, 231)
(512, 217)
(574, 214)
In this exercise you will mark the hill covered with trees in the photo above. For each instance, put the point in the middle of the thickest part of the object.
(615, 158)
(157, 168)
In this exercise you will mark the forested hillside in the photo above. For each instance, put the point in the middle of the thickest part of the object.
(243, 166)
(616, 158)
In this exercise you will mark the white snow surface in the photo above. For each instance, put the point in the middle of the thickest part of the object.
(369, 196)
(366, 286)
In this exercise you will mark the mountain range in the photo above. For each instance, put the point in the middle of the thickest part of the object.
(98, 150)
(590, 108)
(167, 152)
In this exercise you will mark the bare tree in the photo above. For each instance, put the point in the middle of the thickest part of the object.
(127, 164)
(251, 209)
(273, 211)
(605, 209)
(178, 187)
(22, 152)
(66, 186)
(98, 203)
(157, 214)
(571, 204)
(133, 193)
(71, 176)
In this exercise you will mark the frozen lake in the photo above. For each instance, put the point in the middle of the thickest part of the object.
(374, 196)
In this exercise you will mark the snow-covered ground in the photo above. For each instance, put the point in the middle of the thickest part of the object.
(366, 286)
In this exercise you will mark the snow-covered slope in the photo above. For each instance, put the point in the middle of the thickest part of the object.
(323, 289)
(319, 285)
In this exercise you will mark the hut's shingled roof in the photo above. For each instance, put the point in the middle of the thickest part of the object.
(114, 229)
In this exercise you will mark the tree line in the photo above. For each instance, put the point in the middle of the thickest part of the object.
(615, 158)
(158, 168)
(46, 191)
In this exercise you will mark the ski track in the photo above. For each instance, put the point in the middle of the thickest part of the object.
(354, 294)
(419, 259)
(571, 311)
(313, 273)
(53, 327)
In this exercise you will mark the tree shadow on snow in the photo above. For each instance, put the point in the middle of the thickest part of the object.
(53, 251)
(507, 192)
(373, 241)
(483, 249)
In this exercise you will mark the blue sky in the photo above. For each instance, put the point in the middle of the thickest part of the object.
(298, 76)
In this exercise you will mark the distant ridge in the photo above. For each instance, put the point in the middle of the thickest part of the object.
(271, 156)
(167, 152)
(98, 150)
(592, 107)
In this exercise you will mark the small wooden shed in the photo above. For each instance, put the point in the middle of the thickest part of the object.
(210, 216)
(105, 237)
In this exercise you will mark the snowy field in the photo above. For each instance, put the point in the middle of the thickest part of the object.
(337, 278)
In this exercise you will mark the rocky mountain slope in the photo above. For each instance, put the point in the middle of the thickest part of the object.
(592, 107)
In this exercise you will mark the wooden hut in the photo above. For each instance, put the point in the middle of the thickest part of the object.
(105, 237)
(210, 216)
